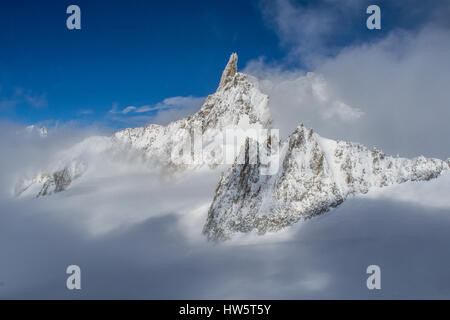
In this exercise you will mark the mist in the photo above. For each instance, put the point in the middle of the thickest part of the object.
(137, 234)
(392, 93)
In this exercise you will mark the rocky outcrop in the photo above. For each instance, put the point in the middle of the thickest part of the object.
(315, 174)
(230, 70)
(312, 175)
(237, 105)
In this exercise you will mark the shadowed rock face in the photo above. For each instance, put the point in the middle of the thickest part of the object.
(315, 174)
(230, 70)
(58, 182)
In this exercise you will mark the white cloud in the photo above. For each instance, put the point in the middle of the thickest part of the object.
(20, 95)
(170, 109)
(123, 220)
(297, 98)
(432, 194)
(400, 84)
(129, 226)
(85, 111)
(342, 111)
(307, 29)
(37, 101)
(390, 93)
(128, 109)
(315, 30)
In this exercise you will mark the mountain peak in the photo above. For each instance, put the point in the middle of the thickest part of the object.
(237, 106)
(230, 70)
(315, 175)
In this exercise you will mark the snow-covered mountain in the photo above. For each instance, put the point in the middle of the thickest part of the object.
(35, 129)
(66, 166)
(315, 175)
(312, 174)
(237, 105)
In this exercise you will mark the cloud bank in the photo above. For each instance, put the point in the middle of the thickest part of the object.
(137, 234)
(391, 92)
(162, 113)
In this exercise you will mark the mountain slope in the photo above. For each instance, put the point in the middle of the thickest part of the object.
(315, 174)
(270, 184)
(236, 105)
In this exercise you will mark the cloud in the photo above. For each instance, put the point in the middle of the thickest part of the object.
(343, 112)
(85, 112)
(315, 30)
(128, 109)
(399, 83)
(20, 95)
(135, 235)
(296, 97)
(175, 108)
(36, 101)
(114, 108)
(170, 109)
(308, 28)
(390, 93)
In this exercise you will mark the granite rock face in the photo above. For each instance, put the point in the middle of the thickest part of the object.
(237, 105)
(315, 174)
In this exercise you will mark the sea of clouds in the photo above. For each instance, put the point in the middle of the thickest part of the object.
(137, 233)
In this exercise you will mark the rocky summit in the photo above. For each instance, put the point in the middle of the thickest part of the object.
(313, 174)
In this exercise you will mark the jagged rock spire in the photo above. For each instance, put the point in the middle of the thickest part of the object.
(230, 70)
(315, 175)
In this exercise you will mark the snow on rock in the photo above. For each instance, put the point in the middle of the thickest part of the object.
(67, 166)
(312, 175)
(315, 174)
(34, 129)
(237, 105)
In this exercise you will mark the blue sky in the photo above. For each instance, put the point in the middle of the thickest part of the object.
(127, 52)
(132, 230)
(138, 53)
